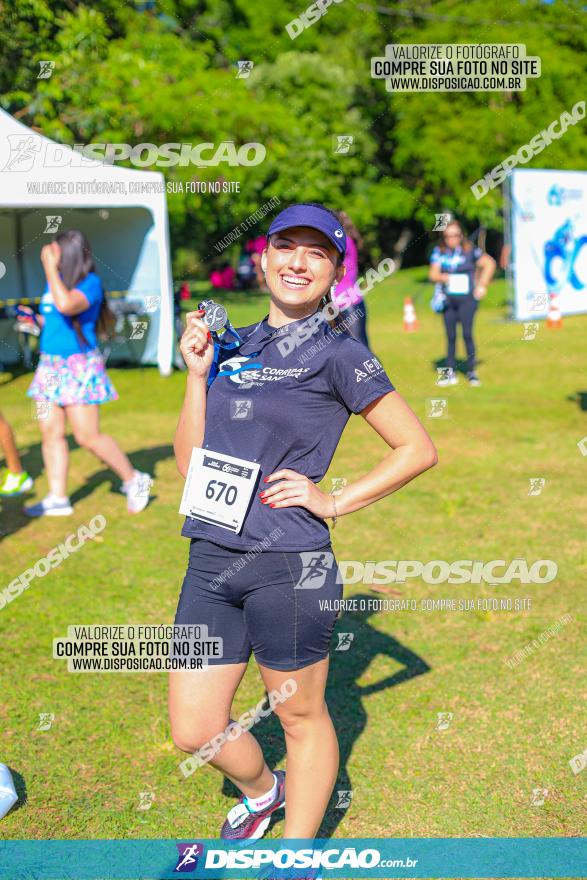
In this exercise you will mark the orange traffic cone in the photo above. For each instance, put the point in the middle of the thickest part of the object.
(554, 320)
(410, 320)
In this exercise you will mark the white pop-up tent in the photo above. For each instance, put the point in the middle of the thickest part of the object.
(122, 211)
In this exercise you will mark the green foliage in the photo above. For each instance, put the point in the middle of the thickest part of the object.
(446, 141)
(166, 72)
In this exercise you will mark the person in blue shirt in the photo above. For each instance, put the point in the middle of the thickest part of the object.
(71, 380)
(279, 403)
(464, 272)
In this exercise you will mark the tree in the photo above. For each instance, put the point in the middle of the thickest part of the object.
(167, 72)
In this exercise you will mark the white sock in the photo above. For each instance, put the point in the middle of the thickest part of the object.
(127, 483)
(59, 498)
(265, 799)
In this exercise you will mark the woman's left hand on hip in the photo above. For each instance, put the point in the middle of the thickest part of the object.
(296, 490)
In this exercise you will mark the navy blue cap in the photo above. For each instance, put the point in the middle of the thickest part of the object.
(316, 218)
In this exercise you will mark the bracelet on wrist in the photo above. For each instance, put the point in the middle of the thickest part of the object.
(335, 516)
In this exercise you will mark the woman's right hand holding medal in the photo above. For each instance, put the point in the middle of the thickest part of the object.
(196, 345)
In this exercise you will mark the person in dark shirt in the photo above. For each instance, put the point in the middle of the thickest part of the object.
(266, 581)
(464, 271)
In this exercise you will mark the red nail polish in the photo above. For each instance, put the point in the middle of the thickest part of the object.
(209, 335)
(272, 505)
(265, 479)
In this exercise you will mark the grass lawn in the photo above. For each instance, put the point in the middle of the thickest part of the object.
(512, 730)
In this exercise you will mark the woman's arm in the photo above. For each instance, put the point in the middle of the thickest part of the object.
(192, 420)
(413, 452)
(486, 270)
(198, 353)
(68, 302)
(436, 276)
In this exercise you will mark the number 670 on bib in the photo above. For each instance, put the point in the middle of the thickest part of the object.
(218, 488)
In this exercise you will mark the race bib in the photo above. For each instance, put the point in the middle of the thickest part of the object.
(218, 488)
(458, 283)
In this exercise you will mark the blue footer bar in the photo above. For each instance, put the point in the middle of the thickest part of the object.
(335, 858)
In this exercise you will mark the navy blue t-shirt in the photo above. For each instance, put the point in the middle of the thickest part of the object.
(285, 411)
(457, 261)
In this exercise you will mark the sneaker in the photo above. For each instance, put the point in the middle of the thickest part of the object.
(473, 378)
(137, 491)
(449, 378)
(244, 824)
(50, 506)
(15, 484)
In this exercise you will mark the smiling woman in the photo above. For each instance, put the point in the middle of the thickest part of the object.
(305, 256)
(298, 401)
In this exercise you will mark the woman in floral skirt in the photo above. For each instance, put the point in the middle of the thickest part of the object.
(71, 378)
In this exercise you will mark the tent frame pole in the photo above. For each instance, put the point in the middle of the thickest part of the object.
(507, 240)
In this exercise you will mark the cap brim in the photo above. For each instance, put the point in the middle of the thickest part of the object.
(280, 227)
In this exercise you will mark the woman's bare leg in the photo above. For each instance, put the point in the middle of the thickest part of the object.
(84, 419)
(8, 444)
(199, 710)
(312, 747)
(55, 450)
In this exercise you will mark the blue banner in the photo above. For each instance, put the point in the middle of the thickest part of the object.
(335, 858)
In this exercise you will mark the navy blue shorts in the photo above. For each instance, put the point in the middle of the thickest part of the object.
(268, 602)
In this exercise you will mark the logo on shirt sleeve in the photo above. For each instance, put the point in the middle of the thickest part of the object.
(371, 367)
